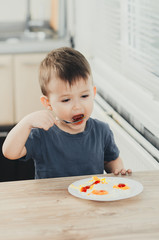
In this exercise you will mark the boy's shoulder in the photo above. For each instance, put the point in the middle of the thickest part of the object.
(99, 124)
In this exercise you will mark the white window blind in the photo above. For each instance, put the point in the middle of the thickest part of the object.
(142, 53)
(128, 39)
(121, 37)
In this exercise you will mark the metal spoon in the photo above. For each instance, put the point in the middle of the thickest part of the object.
(68, 122)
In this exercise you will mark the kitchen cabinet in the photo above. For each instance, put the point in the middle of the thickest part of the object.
(19, 87)
(6, 90)
(19, 95)
(12, 170)
(26, 85)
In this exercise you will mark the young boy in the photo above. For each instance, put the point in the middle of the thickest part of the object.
(63, 140)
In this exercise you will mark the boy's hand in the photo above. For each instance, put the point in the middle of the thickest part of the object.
(116, 166)
(122, 171)
(41, 119)
(14, 145)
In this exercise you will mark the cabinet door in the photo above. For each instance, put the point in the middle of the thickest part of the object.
(6, 90)
(27, 89)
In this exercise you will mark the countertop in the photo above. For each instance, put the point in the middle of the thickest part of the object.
(16, 47)
(44, 209)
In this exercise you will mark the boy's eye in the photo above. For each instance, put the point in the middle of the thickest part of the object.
(85, 96)
(66, 100)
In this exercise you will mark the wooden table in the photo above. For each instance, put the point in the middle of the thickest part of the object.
(43, 210)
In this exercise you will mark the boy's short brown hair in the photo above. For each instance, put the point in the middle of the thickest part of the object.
(67, 64)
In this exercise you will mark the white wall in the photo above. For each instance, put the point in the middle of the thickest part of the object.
(15, 10)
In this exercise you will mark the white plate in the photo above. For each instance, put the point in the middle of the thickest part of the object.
(113, 193)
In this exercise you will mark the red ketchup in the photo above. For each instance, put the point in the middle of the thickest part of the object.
(84, 189)
(121, 185)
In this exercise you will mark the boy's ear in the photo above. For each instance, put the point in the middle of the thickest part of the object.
(45, 101)
(95, 90)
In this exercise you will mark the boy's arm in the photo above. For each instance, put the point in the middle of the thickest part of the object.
(116, 166)
(14, 144)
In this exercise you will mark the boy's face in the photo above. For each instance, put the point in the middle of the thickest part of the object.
(72, 102)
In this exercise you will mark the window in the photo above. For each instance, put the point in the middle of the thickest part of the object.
(121, 38)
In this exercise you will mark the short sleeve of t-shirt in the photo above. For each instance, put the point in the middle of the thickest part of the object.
(111, 151)
(33, 145)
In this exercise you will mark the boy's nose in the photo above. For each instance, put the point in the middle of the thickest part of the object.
(76, 105)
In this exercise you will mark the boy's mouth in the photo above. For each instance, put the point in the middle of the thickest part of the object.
(78, 117)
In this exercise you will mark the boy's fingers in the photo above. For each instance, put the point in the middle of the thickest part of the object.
(129, 171)
(123, 172)
(116, 172)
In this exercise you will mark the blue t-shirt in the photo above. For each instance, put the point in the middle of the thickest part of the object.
(60, 154)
